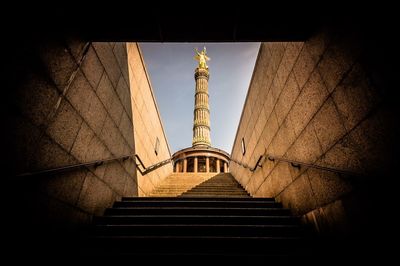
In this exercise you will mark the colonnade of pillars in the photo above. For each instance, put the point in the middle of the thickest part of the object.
(201, 164)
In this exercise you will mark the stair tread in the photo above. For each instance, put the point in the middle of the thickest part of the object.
(196, 210)
(194, 198)
(194, 207)
(202, 201)
(205, 216)
(200, 237)
(196, 203)
(201, 225)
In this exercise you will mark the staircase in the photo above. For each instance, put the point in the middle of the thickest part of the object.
(215, 219)
(178, 183)
(220, 185)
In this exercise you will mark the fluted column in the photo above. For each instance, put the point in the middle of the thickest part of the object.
(201, 124)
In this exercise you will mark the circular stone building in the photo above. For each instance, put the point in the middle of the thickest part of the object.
(201, 157)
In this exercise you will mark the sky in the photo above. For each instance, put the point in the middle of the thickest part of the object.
(171, 69)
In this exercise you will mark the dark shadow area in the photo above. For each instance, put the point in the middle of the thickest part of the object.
(364, 234)
(58, 113)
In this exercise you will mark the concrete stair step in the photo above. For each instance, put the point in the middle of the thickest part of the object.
(187, 184)
(210, 194)
(219, 185)
(196, 211)
(115, 257)
(213, 188)
(198, 245)
(215, 196)
(198, 230)
(206, 191)
(196, 219)
(217, 189)
(195, 199)
(198, 203)
(165, 194)
(200, 195)
(173, 189)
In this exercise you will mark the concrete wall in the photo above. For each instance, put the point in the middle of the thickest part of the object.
(75, 102)
(73, 105)
(148, 126)
(317, 102)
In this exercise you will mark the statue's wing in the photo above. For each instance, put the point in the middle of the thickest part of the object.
(207, 58)
(197, 58)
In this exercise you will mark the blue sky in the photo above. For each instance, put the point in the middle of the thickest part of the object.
(171, 69)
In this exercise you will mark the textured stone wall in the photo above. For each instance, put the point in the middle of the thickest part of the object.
(148, 126)
(73, 105)
(321, 103)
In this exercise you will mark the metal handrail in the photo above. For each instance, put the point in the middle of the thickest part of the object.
(153, 167)
(295, 164)
(97, 163)
(247, 166)
(298, 164)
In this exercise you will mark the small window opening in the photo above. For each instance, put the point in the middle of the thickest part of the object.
(157, 146)
(243, 147)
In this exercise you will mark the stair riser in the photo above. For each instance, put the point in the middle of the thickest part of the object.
(231, 204)
(214, 196)
(197, 220)
(216, 189)
(170, 189)
(195, 199)
(238, 246)
(197, 211)
(182, 230)
(210, 194)
(203, 187)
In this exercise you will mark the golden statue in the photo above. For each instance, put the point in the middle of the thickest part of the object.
(202, 58)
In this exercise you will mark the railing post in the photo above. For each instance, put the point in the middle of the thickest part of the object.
(257, 163)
